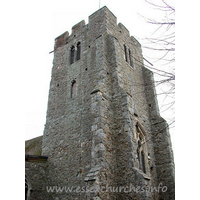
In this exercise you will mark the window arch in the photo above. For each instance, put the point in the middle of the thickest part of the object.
(72, 54)
(142, 152)
(73, 89)
(78, 55)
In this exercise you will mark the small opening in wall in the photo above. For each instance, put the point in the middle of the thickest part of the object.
(73, 88)
(58, 85)
(72, 54)
(85, 69)
(89, 46)
(149, 105)
(78, 56)
(107, 73)
(105, 175)
(74, 35)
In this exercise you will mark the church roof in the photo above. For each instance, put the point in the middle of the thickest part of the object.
(34, 146)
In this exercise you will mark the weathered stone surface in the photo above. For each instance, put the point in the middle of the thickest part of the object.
(105, 134)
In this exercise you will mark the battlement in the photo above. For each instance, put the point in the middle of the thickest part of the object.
(101, 21)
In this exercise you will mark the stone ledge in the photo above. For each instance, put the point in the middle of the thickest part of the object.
(35, 158)
(92, 174)
(142, 173)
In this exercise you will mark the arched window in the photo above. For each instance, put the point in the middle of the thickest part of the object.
(78, 56)
(142, 152)
(73, 89)
(26, 190)
(72, 52)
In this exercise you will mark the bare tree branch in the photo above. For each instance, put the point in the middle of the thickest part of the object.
(162, 41)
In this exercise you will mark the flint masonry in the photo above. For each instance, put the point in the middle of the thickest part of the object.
(103, 126)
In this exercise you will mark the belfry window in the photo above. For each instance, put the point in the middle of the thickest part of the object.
(75, 53)
(128, 55)
(130, 59)
(72, 54)
(78, 55)
(125, 53)
(73, 89)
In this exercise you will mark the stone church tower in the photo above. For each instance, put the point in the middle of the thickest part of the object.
(104, 136)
